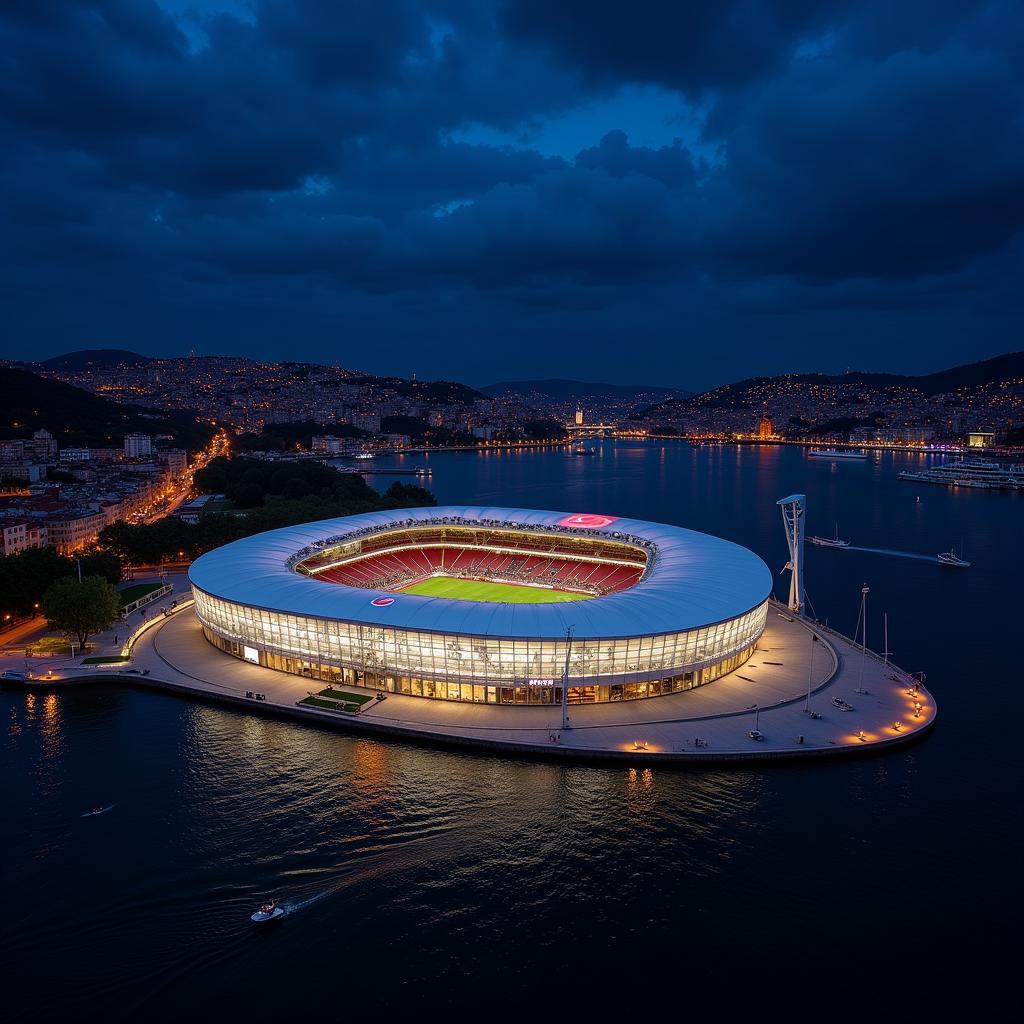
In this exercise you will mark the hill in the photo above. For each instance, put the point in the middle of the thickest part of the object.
(79, 418)
(442, 392)
(844, 388)
(85, 358)
(560, 390)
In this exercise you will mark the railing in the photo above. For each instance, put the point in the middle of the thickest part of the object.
(141, 602)
(126, 650)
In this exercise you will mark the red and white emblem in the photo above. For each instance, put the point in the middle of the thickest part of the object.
(382, 602)
(588, 520)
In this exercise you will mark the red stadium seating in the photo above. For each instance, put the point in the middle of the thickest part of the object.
(395, 570)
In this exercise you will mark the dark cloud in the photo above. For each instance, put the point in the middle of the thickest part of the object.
(696, 47)
(858, 164)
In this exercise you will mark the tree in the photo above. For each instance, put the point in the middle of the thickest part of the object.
(247, 495)
(103, 563)
(400, 495)
(81, 609)
(25, 576)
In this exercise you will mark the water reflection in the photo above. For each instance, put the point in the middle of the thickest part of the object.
(445, 872)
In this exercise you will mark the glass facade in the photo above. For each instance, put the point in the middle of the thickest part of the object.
(482, 669)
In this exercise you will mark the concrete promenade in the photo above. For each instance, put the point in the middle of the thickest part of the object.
(711, 723)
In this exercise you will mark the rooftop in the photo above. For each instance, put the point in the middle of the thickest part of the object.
(693, 579)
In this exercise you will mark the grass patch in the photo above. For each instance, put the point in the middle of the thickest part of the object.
(496, 593)
(108, 660)
(51, 645)
(328, 705)
(133, 593)
(344, 695)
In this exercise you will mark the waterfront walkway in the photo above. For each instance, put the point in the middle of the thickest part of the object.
(711, 723)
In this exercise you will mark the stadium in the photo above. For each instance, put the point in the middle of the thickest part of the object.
(487, 605)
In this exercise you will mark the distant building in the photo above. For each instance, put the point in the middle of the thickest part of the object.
(192, 511)
(579, 415)
(18, 535)
(12, 451)
(175, 459)
(138, 446)
(75, 454)
(30, 472)
(368, 421)
(896, 435)
(765, 428)
(71, 531)
(44, 446)
(327, 444)
(980, 439)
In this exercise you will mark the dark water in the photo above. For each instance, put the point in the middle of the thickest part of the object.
(424, 880)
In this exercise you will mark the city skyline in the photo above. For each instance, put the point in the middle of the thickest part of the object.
(707, 189)
(495, 499)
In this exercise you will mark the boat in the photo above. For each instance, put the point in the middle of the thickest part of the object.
(98, 810)
(829, 542)
(582, 449)
(950, 558)
(835, 455)
(843, 705)
(982, 474)
(364, 455)
(268, 913)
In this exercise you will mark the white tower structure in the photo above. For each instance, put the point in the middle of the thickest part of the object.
(793, 509)
(579, 415)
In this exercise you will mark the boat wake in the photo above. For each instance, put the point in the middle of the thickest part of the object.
(294, 906)
(896, 554)
(99, 810)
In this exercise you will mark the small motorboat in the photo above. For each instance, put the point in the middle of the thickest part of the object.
(843, 705)
(268, 913)
(756, 735)
(98, 810)
(950, 558)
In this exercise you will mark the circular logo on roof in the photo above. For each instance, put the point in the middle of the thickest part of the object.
(382, 602)
(587, 519)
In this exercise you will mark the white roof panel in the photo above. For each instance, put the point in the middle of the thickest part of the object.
(696, 580)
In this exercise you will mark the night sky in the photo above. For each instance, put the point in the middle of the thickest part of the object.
(673, 193)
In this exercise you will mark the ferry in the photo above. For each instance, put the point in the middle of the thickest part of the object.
(829, 542)
(835, 455)
(950, 559)
(582, 449)
(977, 473)
(364, 455)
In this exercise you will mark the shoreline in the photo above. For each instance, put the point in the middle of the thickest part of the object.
(187, 666)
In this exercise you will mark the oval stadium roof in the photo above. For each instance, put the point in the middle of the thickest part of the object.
(696, 579)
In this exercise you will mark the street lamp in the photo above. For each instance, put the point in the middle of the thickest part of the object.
(864, 591)
(810, 674)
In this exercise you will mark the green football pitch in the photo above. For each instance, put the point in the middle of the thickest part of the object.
(477, 590)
